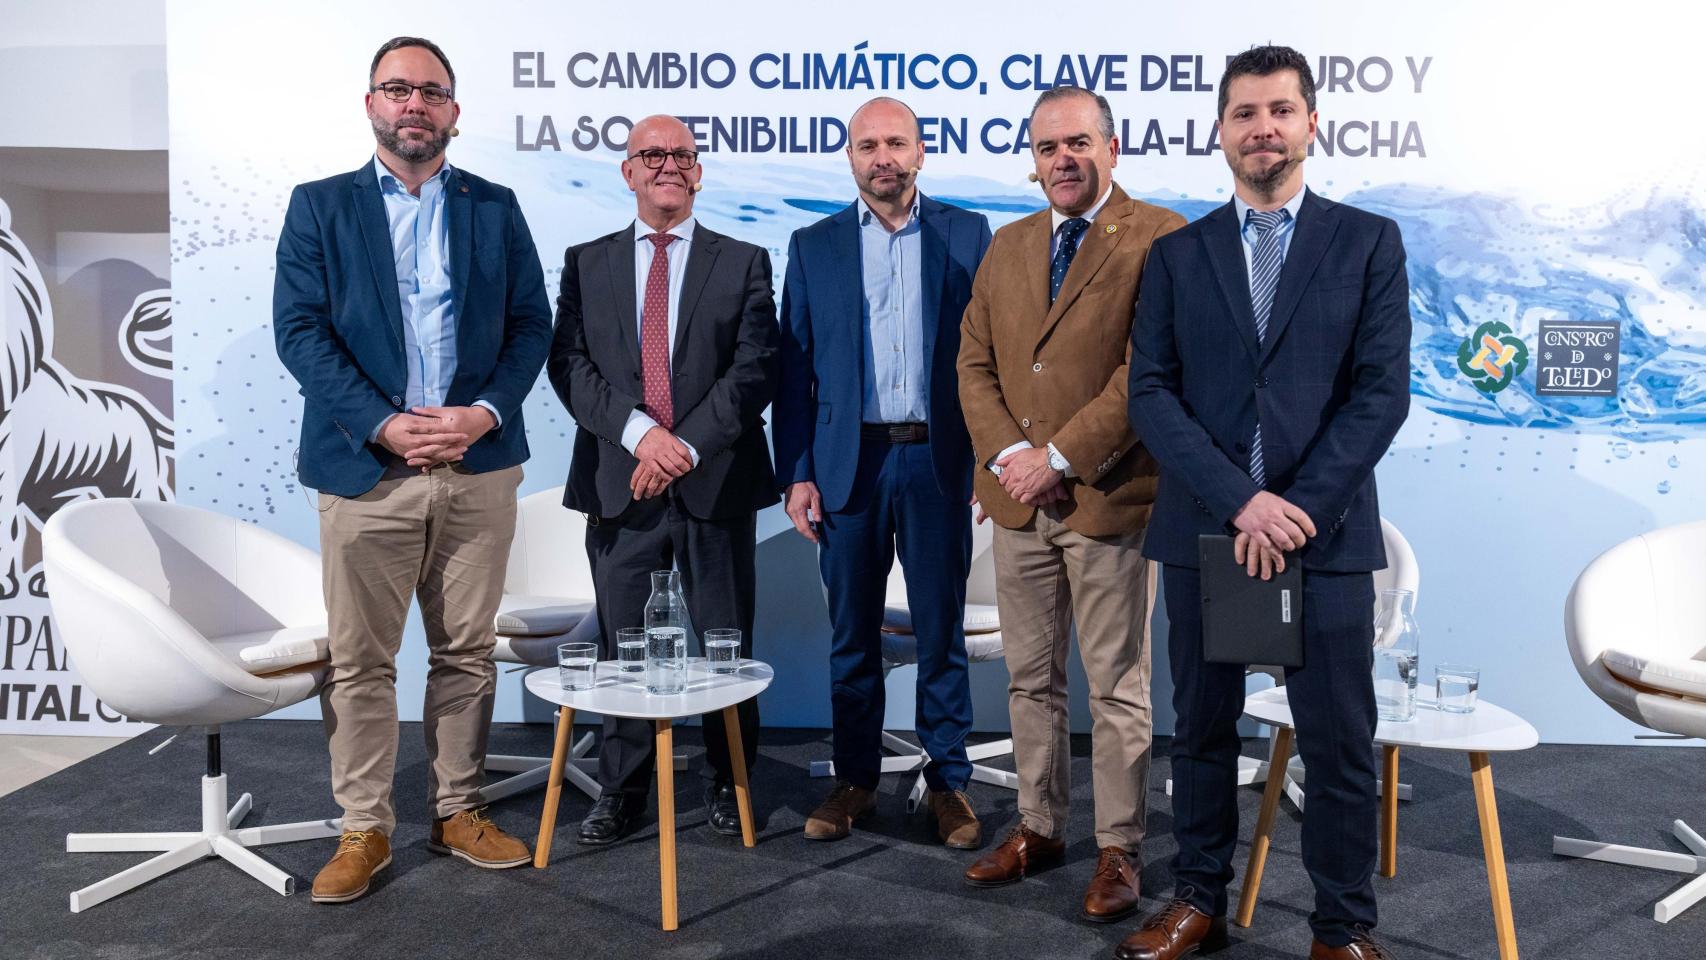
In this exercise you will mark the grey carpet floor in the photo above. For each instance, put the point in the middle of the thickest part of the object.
(889, 891)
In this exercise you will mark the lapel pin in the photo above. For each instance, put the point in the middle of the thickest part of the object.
(1111, 228)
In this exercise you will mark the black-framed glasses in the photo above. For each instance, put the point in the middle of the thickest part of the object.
(653, 158)
(400, 92)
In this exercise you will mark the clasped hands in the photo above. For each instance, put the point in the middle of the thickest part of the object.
(1027, 477)
(663, 459)
(427, 436)
(1269, 525)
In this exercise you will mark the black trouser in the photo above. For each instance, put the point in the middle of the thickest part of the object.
(1332, 707)
(715, 558)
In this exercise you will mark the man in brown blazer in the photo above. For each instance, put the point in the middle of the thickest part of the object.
(1042, 369)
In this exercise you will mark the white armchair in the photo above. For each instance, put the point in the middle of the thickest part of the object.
(1635, 621)
(180, 616)
(548, 600)
(983, 644)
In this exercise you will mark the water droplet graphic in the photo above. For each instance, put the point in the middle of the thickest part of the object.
(1620, 450)
(1664, 486)
(1674, 462)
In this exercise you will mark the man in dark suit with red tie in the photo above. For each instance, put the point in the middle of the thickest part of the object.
(665, 354)
(1269, 374)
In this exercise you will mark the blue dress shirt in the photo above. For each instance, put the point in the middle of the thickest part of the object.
(894, 319)
(1248, 231)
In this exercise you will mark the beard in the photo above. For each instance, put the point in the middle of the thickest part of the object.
(1265, 180)
(390, 136)
(896, 188)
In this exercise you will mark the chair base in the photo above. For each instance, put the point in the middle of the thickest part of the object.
(909, 758)
(219, 837)
(1694, 865)
(580, 771)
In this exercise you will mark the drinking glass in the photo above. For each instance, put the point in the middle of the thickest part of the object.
(722, 650)
(577, 665)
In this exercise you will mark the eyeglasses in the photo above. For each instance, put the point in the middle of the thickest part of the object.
(653, 158)
(400, 92)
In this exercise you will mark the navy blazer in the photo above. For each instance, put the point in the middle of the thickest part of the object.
(338, 322)
(820, 402)
(1331, 384)
(723, 361)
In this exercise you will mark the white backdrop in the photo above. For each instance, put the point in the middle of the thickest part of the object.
(1526, 151)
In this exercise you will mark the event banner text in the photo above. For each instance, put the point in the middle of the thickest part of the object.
(878, 73)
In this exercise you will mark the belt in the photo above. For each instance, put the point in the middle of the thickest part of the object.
(895, 432)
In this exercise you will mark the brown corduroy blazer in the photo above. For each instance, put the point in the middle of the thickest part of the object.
(1031, 371)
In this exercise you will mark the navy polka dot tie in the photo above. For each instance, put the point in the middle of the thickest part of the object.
(654, 335)
(1070, 231)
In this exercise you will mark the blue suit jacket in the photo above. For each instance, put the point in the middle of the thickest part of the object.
(338, 321)
(1331, 384)
(820, 402)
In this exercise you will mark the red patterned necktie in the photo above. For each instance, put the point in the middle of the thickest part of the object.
(654, 335)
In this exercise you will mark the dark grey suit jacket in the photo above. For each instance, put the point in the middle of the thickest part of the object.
(724, 366)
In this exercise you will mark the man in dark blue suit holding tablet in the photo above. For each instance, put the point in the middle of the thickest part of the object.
(410, 305)
(1269, 374)
(872, 451)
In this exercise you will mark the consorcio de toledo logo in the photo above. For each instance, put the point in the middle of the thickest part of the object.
(1492, 357)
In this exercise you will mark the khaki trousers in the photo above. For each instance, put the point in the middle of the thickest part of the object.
(444, 537)
(1049, 577)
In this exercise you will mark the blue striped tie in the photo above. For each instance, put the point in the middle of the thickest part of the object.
(1070, 231)
(1264, 277)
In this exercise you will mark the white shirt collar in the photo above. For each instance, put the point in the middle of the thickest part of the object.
(1089, 215)
(1291, 206)
(866, 214)
(684, 230)
(389, 180)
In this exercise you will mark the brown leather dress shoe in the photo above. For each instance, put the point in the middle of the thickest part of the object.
(1024, 851)
(471, 835)
(1113, 891)
(956, 822)
(833, 818)
(1176, 930)
(345, 877)
(1363, 946)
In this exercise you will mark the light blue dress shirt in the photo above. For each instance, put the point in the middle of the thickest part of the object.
(639, 422)
(1247, 230)
(420, 248)
(891, 266)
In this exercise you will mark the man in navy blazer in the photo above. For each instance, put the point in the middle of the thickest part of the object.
(1269, 374)
(410, 306)
(872, 451)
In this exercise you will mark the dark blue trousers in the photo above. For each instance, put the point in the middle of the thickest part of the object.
(1332, 706)
(896, 506)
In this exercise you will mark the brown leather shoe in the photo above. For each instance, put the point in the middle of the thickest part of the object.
(956, 822)
(345, 877)
(1024, 851)
(1363, 946)
(471, 835)
(1113, 891)
(833, 818)
(1176, 930)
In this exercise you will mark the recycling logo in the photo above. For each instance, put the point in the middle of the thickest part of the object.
(1492, 357)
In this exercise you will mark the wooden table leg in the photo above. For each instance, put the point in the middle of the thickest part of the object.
(1493, 847)
(737, 759)
(1264, 825)
(554, 789)
(666, 820)
(1389, 812)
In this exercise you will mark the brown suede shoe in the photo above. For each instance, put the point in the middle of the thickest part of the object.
(1363, 946)
(1176, 930)
(471, 835)
(833, 818)
(361, 854)
(1024, 851)
(956, 822)
(1113, 891)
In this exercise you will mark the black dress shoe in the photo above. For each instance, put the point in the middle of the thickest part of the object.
(724, 808)
(611, 818)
